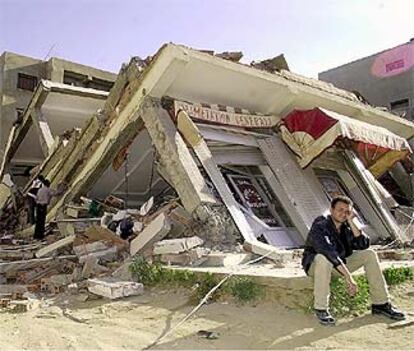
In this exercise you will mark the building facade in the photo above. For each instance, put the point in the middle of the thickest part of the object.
(20, 75)
(383, 79)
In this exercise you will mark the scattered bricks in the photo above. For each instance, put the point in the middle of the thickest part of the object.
(107, 255)
(175, 246)
(4, 302)
(13, 289)
(85, 249)
(55, 284)
(113, 288)
(155, 231)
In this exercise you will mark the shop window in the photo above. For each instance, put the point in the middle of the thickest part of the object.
(251, 190)
(26, 82)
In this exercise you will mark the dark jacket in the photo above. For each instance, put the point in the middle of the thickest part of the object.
(336, 247)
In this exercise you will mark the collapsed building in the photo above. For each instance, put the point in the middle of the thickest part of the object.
(230, 152)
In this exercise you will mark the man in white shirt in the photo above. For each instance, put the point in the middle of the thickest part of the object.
(31, 199)
(43, 197)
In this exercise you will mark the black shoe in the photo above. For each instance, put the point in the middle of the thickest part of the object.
(388, 310)
(324, 317)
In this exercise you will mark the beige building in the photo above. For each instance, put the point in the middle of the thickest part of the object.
(19, 77)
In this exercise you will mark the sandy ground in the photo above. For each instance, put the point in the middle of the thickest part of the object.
(134, 323)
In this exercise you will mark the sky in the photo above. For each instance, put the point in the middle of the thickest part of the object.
(314, 35)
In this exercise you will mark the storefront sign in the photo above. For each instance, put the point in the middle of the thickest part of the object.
(225, 117)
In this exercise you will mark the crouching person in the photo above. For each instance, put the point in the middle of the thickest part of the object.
(336, 246)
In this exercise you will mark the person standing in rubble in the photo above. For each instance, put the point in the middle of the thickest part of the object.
(336, 246)
(43, 197)
(31, 199)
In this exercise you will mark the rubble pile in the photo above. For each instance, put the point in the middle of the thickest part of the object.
(89, 246)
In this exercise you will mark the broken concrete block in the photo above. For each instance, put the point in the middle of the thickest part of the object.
(280, 257)
(123, 272)
(113, 288)
(193, 257)
(56, 245)
(153, 232)
(107, 255)
(85, 249)
(219, 259)
(175, 246)
(91, 267)
(77, 212)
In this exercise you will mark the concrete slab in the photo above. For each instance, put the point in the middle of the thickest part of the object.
(55, 246)
(113, 288)
(175, 246)
(219, 259)
(152, 233)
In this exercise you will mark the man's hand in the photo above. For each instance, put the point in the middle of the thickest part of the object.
(351, 286)
(350, 215)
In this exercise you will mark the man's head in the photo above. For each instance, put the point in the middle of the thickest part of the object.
(46, 182)
(341, 207)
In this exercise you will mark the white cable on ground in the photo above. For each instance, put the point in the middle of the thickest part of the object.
(205, 298)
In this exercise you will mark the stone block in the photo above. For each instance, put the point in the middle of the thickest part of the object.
(153, 232)
(175, 246)
(193, 257)
(219, 259)
(113, 288)
(85, 249)
(107, 255)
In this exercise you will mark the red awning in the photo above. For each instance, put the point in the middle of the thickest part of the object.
(308, 133)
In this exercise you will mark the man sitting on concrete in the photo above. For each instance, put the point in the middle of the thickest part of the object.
(335, 245)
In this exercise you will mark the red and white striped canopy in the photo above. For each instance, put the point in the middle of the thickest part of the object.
(309, 133)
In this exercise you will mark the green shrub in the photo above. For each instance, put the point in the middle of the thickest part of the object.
(398, 275)
(245, 290)
(342, 304)
(152, 274)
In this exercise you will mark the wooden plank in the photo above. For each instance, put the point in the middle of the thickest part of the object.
(55, 246)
